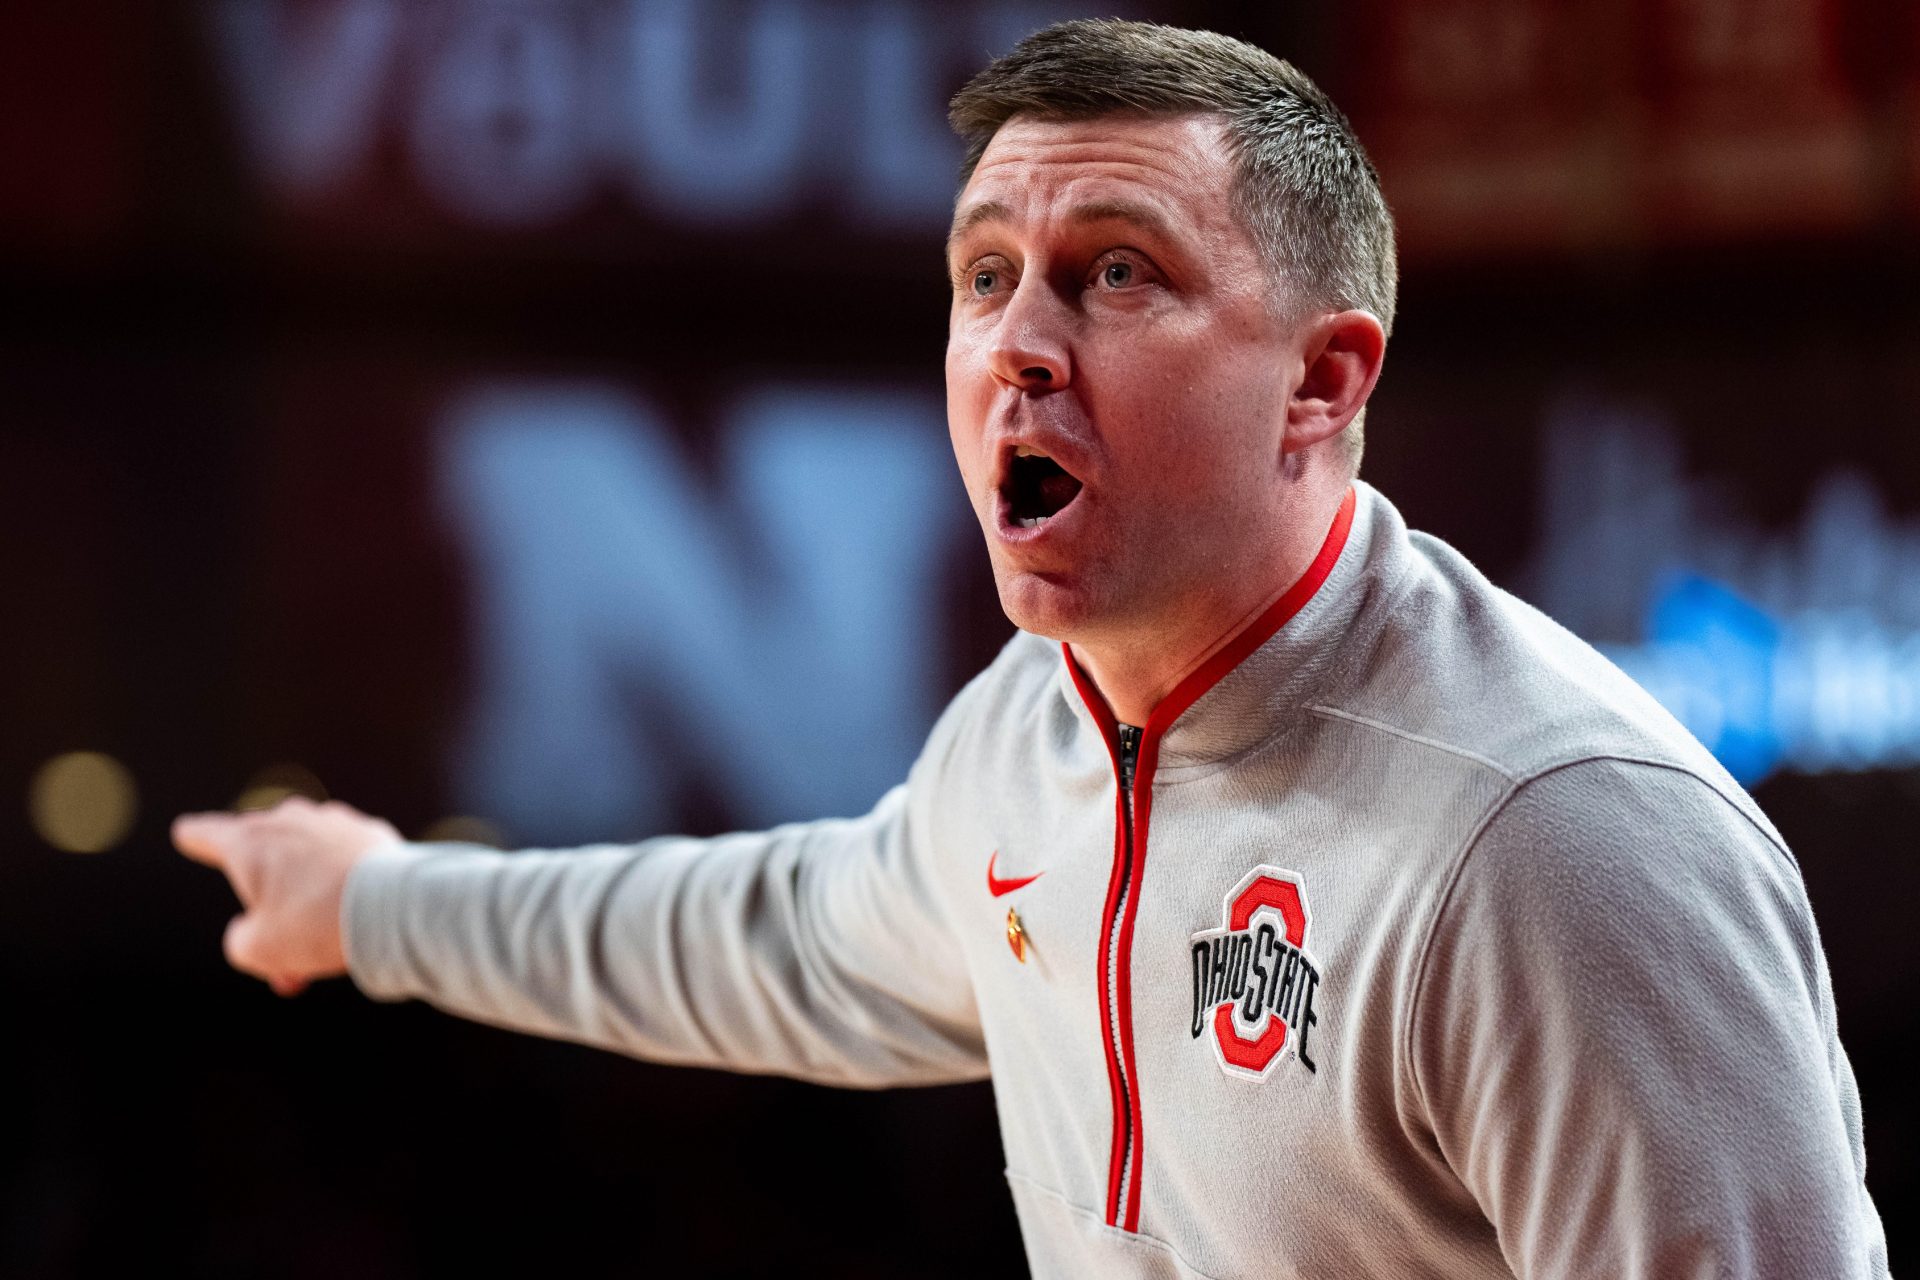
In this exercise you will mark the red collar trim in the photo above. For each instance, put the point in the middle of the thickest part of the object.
(1236, 650)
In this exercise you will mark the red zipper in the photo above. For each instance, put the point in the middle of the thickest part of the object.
(1132, 815)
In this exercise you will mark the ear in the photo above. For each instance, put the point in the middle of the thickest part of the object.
(1341, 353)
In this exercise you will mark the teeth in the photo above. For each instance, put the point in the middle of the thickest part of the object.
(1027, 451)
(1030, 522)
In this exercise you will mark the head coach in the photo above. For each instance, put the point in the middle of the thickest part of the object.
(1317, 908)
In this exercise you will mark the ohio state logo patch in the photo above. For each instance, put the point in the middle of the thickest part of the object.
(1253, 979)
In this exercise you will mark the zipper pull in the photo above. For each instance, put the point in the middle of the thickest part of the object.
(1129, 755)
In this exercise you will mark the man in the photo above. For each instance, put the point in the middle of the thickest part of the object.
(1320, 909)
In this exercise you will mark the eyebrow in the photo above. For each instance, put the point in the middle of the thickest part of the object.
(984, 212)
(1104, 210)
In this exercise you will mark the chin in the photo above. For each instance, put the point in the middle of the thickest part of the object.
(1046, 605)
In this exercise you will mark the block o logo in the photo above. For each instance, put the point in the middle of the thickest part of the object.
(1254, 982)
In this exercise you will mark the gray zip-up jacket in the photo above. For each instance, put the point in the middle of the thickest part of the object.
(1423, 944)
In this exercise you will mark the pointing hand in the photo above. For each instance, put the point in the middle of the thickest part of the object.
(289, 866)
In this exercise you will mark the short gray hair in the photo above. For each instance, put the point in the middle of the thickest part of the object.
(1304, 187)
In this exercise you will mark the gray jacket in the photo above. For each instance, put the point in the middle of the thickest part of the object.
(1424, 943)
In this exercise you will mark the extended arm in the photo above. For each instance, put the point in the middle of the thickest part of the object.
(815, 950)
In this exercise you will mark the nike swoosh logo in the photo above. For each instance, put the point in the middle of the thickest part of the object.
(996, 886)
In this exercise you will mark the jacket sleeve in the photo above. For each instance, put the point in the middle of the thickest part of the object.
(817, 950)
(1624, 1038)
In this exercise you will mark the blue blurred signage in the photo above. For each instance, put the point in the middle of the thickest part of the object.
(1796, 650)
(516, 115)
(639, 629)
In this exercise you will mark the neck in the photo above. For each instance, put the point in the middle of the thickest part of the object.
(1135, 670)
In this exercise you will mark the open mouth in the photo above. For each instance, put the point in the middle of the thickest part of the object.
(1037, 488)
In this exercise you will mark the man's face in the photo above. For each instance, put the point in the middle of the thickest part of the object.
(1110, 313)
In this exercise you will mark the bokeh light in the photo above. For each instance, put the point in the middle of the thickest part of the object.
(464, 829)
(82, 802)
(269, 786)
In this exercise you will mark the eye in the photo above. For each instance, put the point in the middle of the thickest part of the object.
(987, 276)
(1121, 271)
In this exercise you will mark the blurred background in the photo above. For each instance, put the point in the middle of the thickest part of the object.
(524, 420)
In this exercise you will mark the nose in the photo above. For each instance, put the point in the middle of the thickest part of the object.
(1030, 348)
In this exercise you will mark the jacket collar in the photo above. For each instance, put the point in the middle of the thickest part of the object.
(1255, 686)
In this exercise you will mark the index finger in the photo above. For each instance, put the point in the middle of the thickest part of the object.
(206, 837)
